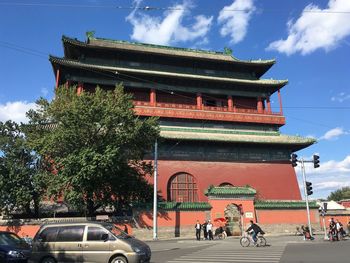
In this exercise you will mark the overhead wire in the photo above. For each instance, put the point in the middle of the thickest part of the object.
(157, 8)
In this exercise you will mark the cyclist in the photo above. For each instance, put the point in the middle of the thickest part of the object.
(255, 229)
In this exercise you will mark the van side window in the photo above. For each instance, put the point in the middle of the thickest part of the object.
(95, 234)
(48, 234)
(70, 234)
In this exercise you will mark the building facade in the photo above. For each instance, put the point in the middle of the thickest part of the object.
(221, 143)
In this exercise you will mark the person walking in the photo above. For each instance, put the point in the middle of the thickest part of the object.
(198, 228)
(204, 227)
(210, 230)
(333, 236)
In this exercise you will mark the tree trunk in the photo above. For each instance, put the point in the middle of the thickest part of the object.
(90, 207)
(36, 206)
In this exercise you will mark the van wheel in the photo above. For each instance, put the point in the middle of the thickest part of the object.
(119, 259)
(48, 260)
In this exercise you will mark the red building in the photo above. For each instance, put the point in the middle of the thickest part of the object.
(219, 132)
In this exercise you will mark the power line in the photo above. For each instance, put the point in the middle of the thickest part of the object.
(155, 8)
(25, 50)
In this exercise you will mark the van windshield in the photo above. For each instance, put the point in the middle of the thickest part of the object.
(117, 231)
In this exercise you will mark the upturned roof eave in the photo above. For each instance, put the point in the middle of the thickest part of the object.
(77, 64)
(167, 50)
(294, 142)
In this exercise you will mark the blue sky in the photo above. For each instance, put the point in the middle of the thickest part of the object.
(309, 40)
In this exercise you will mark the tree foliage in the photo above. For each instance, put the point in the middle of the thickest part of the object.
(21, 184)
(94, 144)
(340, 194)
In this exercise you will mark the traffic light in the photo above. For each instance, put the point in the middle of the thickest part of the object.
(294, 159)
(316, 161)
(309, 188)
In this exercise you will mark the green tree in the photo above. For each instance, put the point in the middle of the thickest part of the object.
(343, 193)
(95, 147)
(20, 172)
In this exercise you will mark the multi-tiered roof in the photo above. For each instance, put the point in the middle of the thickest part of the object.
(184, 71)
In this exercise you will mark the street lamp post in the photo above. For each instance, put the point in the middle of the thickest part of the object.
(155, 194)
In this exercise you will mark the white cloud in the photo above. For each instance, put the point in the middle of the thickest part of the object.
(235, 23)
(331, 185)
(341, 97)
(316, 28)
(15, 111)
(330, 176)
(169, 28)
(44, 91)
(333, 134)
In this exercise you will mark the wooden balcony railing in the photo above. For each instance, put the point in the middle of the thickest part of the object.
(205, 108)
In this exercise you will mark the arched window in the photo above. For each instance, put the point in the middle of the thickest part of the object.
(182, 187)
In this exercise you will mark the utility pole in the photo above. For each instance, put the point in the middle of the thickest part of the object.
(306, 195)
(155, 192)
(307, 185)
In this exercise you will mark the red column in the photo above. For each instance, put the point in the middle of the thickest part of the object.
(268, 104)
(199, 101)
(57, 77)
(260, 105)
(230, 103)
(153, 97)
(280, 100)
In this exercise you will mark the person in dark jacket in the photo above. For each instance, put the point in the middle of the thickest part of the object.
(204, 227)
(255, 230)
(198, 228)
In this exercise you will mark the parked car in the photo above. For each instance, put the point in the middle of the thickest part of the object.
(13, 249)
(96, 242)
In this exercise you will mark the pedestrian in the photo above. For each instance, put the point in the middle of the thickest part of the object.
(198, 228)
(349, 228)
(332, 230)
(210, 230)
(340, 230)
(255, 230)
(205, 233)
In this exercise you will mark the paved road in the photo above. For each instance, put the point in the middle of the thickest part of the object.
(280, 249)
(321, 252)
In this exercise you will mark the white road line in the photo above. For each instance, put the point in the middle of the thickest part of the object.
(225, 252)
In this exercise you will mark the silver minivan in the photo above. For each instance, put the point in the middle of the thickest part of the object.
(88, 242)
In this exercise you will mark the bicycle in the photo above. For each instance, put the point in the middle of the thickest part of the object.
(247, 238)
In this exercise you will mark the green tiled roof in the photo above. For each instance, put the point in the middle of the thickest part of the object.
(185, 206)
(77, 64)
(229, 190)
(198, 134)
(220, 131)
(284, 204)
(187, 52)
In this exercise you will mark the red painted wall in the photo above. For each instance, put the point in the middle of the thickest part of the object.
(173, 218)
(286, 216)
(271, 180)
(22, 231)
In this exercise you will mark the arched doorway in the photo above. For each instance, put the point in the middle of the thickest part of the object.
(233, 219)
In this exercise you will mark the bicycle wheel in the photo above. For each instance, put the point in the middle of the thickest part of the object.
(261, 241)
(244, 242)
